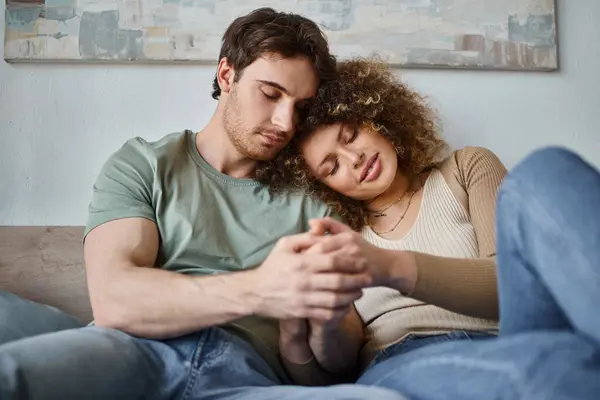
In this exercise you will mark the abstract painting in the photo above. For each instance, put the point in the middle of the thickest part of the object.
(487, 34)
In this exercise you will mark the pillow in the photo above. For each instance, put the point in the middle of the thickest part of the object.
(21, 318)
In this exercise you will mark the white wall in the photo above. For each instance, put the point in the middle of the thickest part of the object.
(58, 123)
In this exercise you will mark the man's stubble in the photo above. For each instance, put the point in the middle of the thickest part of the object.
(239, 135)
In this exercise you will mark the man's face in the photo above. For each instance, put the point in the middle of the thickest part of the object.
(264, 106)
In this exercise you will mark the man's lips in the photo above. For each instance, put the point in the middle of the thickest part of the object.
(369, 164)
(274, 138)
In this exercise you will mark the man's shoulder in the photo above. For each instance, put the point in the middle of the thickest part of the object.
(164, 146)
(311, 206)
(143, 153)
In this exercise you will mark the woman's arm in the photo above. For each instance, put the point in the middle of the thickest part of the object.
(463, 285)
(466, 286)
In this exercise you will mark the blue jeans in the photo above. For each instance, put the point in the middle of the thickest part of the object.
(548, 347)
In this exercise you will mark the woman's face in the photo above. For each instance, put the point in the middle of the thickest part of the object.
(359, 163)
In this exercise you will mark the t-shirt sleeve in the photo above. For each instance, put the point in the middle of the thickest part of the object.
(123, 188)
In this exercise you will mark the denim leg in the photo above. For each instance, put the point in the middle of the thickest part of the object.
(88, 363)
(549, 245)
(288, 392)
(21, 318)
(225, 367)
(98, 363)
(550, 365)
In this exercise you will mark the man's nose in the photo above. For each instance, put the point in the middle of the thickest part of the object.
(283, 117)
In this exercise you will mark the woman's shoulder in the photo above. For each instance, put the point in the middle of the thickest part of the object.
(471, 161)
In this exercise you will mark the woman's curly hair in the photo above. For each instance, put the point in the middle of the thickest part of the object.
(366, 93)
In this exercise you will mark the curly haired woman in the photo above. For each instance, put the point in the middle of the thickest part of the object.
(370, 149)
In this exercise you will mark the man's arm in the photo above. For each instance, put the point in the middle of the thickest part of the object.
(129, 294)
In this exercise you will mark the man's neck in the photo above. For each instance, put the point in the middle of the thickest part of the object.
(214, 146)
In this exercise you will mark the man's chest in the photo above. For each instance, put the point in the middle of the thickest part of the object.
(211, 230)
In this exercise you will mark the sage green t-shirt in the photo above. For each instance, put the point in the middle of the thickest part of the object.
(209, 222)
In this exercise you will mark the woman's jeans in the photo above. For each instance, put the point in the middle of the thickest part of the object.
(548, 235)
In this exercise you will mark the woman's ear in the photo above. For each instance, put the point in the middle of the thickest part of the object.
(225, 75)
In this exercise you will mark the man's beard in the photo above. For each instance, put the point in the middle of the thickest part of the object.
(240, 137)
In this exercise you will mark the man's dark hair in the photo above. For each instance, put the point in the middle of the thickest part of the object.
(265, 30)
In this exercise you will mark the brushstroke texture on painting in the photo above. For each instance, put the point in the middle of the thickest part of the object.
(508, 34)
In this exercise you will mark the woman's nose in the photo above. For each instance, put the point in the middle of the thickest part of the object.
(356, 158)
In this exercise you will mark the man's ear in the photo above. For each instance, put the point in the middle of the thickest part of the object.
(225, 75)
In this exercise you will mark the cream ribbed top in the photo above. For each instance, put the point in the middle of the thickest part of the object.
(444, 228)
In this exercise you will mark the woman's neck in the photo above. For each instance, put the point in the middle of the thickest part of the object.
(399, 187)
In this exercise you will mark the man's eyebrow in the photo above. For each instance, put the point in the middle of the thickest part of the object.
(275, 85)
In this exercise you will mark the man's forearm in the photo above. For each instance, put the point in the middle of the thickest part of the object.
(159, 304)
(336, 348)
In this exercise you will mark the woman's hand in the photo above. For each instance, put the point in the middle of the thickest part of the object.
(394, 269)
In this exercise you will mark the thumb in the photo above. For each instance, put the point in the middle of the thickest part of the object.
(332, 226)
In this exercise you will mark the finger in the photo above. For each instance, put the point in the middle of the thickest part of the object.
(336, 261)
(332, 300)
(327, 244)
(340, 282)
(316, 227)
(332, 226)
(297, 243)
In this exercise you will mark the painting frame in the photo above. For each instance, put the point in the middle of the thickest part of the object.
(538, 50)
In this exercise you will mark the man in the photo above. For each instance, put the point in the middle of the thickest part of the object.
(187, 271)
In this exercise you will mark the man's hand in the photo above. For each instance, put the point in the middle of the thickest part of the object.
(294, 283)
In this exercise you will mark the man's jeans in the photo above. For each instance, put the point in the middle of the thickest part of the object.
(548, 347)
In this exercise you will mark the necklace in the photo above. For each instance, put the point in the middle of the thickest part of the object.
(401, 217)
(381, 213)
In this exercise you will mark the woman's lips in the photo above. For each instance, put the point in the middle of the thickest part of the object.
(372, 170)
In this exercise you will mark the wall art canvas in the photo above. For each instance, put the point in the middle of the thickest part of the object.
(487, 34)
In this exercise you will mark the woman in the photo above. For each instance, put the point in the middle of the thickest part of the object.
(370, 149)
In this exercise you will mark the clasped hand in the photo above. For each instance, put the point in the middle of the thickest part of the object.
(330, 289)
(316, 276)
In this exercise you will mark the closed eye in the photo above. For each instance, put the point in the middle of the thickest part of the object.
(270, 97)
(336, 166)
(354, 135)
